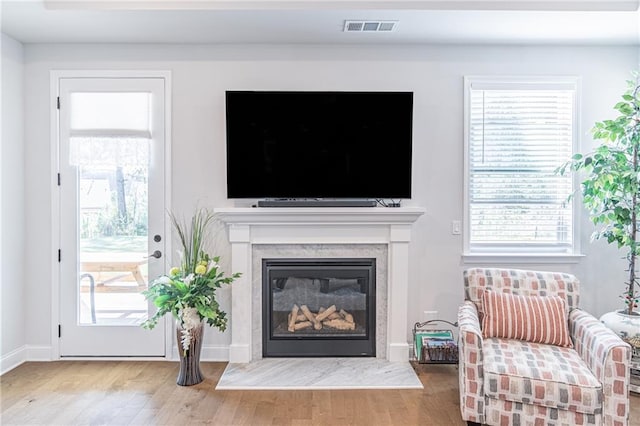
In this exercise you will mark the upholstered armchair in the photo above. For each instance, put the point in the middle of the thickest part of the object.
(530, 356)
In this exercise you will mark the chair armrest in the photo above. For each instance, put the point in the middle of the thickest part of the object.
(470, 370)
(608, 357)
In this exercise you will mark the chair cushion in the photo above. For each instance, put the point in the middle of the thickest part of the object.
(534, 373)
(538, 319)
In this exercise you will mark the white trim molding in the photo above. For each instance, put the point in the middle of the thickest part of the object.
(210, 353)
(541, 5)
(514, 259)
(13, 359)
(25, 353)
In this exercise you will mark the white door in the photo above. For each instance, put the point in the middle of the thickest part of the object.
(112, 213)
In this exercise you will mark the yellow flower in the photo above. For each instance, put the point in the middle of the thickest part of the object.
(174, 271)
(201, 269)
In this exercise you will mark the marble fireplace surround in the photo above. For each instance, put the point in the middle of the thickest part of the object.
(378, 232)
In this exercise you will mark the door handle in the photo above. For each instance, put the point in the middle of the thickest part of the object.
(157, 254)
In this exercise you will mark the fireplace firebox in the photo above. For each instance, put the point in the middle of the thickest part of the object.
(318, 307)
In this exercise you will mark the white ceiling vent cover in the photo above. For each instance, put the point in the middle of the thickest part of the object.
(370, 26)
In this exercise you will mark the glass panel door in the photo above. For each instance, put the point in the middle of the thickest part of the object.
(112, 210)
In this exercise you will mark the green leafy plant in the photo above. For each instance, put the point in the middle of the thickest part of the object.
(188, 292)
(611, 188)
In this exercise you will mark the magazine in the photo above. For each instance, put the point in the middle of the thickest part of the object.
(439, 349)
(440, 340)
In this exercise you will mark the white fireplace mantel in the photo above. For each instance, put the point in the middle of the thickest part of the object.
(322, 225)
(321, 215)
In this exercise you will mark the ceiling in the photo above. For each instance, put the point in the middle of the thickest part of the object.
(322, 21)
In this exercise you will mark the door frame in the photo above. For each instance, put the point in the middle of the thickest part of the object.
(54, 78)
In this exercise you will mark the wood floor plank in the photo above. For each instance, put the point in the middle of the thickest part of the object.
(145, 393)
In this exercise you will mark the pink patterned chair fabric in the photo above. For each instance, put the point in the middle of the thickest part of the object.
(514, 382)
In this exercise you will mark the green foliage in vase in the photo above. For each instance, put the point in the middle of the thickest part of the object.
(188, 292)
(611, 188)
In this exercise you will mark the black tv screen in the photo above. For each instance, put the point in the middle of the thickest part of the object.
(319, 144)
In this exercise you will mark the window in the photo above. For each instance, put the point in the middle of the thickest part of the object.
(517, 132)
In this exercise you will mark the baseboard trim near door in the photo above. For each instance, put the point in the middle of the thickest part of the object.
(13, 359)
(33, 353)
(25, 353)
(39, 353)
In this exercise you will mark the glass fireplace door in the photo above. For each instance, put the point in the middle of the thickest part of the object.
(318, 307)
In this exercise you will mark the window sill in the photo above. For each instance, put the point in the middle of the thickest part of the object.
(523, 258)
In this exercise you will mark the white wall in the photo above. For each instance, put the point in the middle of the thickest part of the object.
(202, 73)
(12, 203)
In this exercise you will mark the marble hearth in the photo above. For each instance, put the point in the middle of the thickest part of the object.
(380, 233)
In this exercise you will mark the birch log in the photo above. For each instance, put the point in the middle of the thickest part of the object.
(302, 325)
(311, 317)
(339, 324)
(292, 318)
(346, 315)
(331, 309)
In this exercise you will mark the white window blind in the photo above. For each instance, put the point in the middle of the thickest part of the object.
(124, 112)
(110, 129)
(518, 135)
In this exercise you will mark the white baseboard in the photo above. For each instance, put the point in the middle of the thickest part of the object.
(13, 359)
(39, 353)
(23, 354)
(398, 352)
(214, 353)
(33, 353)
(239, 353)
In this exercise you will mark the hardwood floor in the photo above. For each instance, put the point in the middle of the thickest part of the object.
(145, 393)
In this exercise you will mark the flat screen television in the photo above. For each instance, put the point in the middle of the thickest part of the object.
(319, 145)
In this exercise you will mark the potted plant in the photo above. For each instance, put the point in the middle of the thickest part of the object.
(188, 292)
(611, 193)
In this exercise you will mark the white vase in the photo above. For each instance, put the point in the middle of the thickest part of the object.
(623, 324)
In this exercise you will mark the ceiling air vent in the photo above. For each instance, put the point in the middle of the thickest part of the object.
(369, 26)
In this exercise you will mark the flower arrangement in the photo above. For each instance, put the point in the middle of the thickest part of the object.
(189, 291)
